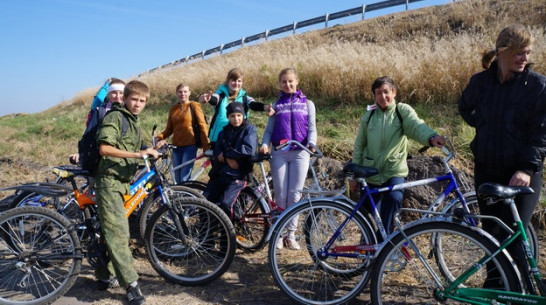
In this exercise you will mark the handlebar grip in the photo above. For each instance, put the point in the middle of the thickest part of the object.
(423, 149)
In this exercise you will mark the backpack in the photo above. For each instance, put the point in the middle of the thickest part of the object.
(87, 146)
(397, 114)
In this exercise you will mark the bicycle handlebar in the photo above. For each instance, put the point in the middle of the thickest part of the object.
(317, 153)
(450, 153)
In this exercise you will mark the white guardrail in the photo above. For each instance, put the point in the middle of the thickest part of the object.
(288, 28)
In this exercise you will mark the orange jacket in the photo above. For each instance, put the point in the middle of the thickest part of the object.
(179, 124)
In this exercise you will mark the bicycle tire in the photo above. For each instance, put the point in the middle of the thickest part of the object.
(153, 201)
(399, 277)
(252, 228)
(194, 184)
(40, 256)
(472, 203)
(303, 278)
(209, 248)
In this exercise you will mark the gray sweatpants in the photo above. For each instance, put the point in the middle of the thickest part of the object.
(289, 170)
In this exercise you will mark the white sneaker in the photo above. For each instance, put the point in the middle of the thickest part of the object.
(280, 244)
(291, 243)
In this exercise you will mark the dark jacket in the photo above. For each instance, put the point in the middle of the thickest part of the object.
(237, 143)
(509, 118)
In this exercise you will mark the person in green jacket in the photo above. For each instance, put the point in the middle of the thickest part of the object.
(382, 143)
(120, 156)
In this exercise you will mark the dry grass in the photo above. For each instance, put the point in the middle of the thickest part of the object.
(430, 52)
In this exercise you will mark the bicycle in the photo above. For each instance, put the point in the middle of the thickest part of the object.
(259, 209)
(341, 240)
(30, 236)
(406, 266)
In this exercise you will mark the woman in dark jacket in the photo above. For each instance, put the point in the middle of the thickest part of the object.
(506, 104)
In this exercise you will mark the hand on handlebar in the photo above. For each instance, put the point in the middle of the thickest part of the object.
(160, 144)
(264, 149)
(437, 141)
(232, 163)
(150, 152)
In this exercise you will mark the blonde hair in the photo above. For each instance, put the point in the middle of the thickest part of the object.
(511, 39)
(136, 87)
(287, 71)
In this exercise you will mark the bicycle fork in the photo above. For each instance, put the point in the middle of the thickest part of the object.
(178, 217)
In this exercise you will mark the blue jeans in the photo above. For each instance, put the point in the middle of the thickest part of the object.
(180, 155)
(223, 190)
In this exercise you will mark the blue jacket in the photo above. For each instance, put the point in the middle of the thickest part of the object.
(237, 143)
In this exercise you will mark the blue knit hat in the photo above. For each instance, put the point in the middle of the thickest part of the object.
(235, 107)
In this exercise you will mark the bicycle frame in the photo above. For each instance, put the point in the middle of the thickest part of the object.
(197, 173)
(275, 210)
(477, 295)
(137, 192)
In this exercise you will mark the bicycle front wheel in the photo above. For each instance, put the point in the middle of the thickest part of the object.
(198, 252)
(40, 256)
(308, 275)
(252, 229)
(405, 271)
(153, 201)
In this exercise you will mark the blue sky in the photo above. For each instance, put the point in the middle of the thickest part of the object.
(53, 49)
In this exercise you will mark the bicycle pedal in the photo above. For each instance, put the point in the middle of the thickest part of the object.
(241, 238)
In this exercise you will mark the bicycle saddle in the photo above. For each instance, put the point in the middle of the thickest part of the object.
(359, 170)
(259, 158)
(75, 170)
(498, 191)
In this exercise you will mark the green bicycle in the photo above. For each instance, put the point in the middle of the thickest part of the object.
(406, 269)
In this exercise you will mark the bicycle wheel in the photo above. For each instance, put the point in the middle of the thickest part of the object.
(199, 254)
(40, 256)
(252, 229)
(153, 202)
(399, 275)
(65, 205)
(323, 225)
(309, 280)
(472, 204)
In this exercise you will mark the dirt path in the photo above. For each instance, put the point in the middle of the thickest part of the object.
(248, 281)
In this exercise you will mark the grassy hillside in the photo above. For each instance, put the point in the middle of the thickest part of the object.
(431, 53)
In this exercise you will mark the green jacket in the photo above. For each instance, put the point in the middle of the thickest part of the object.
(122, 169)
(382, 142)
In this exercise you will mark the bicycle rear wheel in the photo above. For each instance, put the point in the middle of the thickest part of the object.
(399, 276)
(65, 205)
(199, 254)
(153, 202)
(305, 275)
(40, 256)
(252, 229)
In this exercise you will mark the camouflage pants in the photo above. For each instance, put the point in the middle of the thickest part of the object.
(115, 228)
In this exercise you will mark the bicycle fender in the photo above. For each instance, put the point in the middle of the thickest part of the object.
(42, 188)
